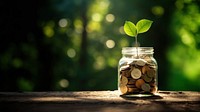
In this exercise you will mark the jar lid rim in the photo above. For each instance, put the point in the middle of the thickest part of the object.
(137, 47)
(133, 50)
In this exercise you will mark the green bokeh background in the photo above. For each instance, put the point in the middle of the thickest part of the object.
(73, 45)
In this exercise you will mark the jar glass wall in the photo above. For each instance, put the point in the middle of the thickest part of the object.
(137, 71)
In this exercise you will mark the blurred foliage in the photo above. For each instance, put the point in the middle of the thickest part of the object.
(76, 44)
(184, 51)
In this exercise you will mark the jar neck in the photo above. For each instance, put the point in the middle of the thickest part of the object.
(141, 51)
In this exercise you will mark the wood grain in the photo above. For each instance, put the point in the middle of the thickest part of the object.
(98, 101)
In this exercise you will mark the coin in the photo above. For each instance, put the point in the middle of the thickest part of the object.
(140, 62)
(123, 80)
(123, 89)
(122, 72)
(131, 85)
(131, 81)
(146, 78)
(151, 73)
(136, 73)
(131, 90)
(130, 62)
(153, 89)
(128, 73)
(145, 69)
(124, 67)
(146, 87)
(152, 66)
(139, 83)
(148, 59)
(152, 83)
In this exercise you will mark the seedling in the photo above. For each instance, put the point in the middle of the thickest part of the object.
(133, 30)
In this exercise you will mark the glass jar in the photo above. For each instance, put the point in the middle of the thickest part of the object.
(137, 72)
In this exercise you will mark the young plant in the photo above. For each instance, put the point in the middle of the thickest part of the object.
(133, 30)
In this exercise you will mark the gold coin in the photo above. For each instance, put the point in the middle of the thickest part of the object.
(131, 90)
(139, 83)
(140, 62)
(123, 89)
(123, 80)
(145, 69)
(151, 73)
(133, 62)
(146, 87)
(148, 59)
(146, 78)
(153, 89)
(136, 73)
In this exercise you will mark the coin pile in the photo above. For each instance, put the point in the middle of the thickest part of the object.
(138, 76)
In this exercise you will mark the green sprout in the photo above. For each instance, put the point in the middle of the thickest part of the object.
(133, 30)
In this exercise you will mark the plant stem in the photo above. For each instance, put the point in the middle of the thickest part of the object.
(136, 43)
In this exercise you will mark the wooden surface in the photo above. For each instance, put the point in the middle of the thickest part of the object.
(98, 101)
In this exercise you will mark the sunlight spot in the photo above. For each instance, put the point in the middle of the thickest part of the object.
(78, 24)
(157, 10)
(104, 3)
(121, 30)
(112, 62)
(186, 37)
(96, 17)
(110, 17)
(93, 26)
(123, 42)
(71, 53)
(110, 43)
(48, 31)
(192, 71)
(78, 30)
(63, 22)
(64, 83)
(99, 63)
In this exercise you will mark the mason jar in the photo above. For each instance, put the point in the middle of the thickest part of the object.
(137, 72)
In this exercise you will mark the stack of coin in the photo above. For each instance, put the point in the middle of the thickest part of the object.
(139, 76)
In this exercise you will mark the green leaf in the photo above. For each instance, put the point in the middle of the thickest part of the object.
(143, 25)
(130, 29)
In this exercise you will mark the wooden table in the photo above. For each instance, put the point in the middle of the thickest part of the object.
(98, 101)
